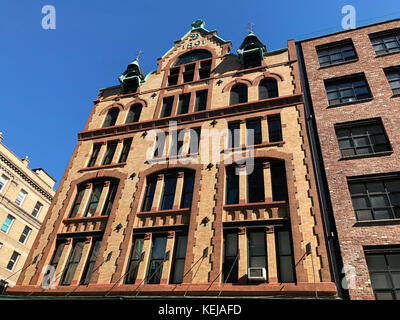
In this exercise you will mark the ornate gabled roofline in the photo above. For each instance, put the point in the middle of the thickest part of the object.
(201, 29)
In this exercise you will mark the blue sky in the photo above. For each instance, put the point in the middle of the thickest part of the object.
(49, 78)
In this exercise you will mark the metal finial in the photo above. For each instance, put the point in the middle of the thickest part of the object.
(139, 53)
(251, 25)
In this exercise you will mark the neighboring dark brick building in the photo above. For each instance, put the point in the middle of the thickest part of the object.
(353, 110)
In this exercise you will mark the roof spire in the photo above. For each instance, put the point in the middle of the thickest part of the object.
(251, 25)
(139, 53)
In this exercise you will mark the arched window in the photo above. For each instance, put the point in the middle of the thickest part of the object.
(100, 188)
(134, 113)
(169, 192)
(238, 94)
(268, 88)
(192, 56)
(191, 66)
(111, 117)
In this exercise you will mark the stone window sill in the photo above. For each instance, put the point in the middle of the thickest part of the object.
(181, 156)
(350, 102)
(255, 146)
(370, 155)
(373, 223)
(107, 166)
(338, 64)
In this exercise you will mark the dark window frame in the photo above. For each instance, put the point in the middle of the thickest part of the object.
(389, 72)
(387, 271)
(134, 113)
(91, 261)
(178, 258)
(110, 152)
(135, 259)
(229, 260)
(239, 94)
(274, 133)
(268, 88)
(111, 118)
(94, 155)
(336, 48)
(379, 38)
(365, 195)
(369, 135)
(338, 87)
(125, 150)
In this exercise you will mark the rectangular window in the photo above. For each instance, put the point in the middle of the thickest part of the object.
(375, 199)
(167, 107)
(274, 128)
(257, 249)
(279, 184)
(232, 185)
(178, 262)
(7, 223)
(168, 196)
(13, 261)
(135, 259)
(125, 150)
(335, 53)
(393, 77)
(188, 74)
(21, 197)
(384, 271)
(55, 259)
(157, 257)
(201, 100)
(37, 209)
(112, 191)
(255, 184)
(233, 135)
(108, 157)
(194, 143)
(173, 76)
(25, 234)
(77, 201)
(362, 138)
(205, 69)
(149, 193)
(284, 254)
(254, 135)
(187, 192)
(94, 199)
(89, 268)
(177, 140)
(160, 145)
(386, 42)
(95, 153)
(347, 89)
(3, 182)
(72, 263)
(183, 106)
(231, 261)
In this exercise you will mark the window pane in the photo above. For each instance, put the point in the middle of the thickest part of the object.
(257, 243)
(364, 215)
(360, 202)
(376, 262)
(231, 244)
(380, 280)
(382, 214)
(384, 296)
(375, 187)
(286, 269)
(379, 201)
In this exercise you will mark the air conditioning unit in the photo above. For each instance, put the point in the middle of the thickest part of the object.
(257, 273)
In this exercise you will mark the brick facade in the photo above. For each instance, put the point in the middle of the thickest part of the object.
(355, 235)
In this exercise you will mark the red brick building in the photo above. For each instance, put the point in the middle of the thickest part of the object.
(352, 84)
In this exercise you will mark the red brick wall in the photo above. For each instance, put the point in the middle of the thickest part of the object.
(353, 236)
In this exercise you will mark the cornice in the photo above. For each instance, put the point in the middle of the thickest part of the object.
(25, 177)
